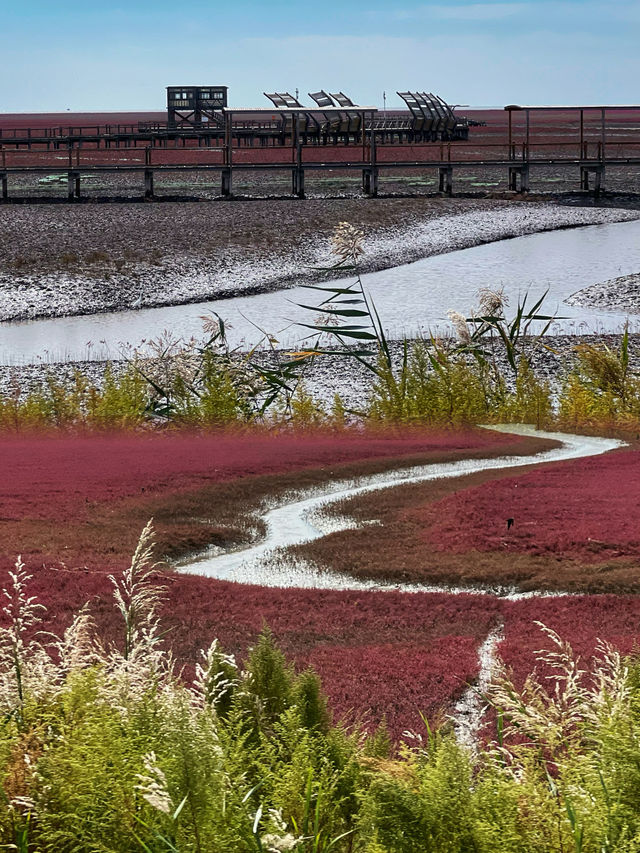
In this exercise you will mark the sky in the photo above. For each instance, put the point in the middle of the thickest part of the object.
(116, 55)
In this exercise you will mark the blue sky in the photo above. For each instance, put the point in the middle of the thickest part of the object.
(120, 55)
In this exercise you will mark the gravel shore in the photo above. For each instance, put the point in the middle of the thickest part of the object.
(617, 294)
(58, 260)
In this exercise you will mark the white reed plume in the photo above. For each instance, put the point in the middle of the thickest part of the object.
(460, 326)
(561, 717)
(492, 301)
(216, 677)
(78, 648)
(153, 785)
(346, 242)
(137, 596)
(24, 665)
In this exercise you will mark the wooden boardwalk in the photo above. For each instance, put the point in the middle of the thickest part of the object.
(586, 142)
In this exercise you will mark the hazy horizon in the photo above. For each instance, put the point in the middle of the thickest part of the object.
(66, 56)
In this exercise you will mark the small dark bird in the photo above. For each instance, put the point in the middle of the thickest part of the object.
(509, 523)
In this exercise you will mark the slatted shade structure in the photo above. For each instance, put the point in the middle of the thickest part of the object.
(322, 99)
(432, 118)
(342, 100)
(282, 99)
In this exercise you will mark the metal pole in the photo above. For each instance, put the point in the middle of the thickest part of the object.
(228, 140)
(227, 180)
(373, 186)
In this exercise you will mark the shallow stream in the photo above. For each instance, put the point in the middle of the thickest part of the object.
(412, 299)
(301, 520)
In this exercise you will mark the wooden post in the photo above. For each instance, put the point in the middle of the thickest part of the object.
(227, 182)
(5, 186)
(228, 139)
(299, 188)
(148, 183)
(521, 172)
(598, 184)
(584, 178)
(373, 181)
(294, 135)
(445, 179)
(73, 185)
(227, 172)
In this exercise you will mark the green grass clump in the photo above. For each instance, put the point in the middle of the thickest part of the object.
(106, 747)
(602, 390)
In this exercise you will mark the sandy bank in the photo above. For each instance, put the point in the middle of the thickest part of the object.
(617, 294)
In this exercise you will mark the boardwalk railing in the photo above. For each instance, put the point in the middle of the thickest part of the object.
(586, 140)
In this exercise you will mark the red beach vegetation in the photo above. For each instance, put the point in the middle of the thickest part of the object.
(586, 510)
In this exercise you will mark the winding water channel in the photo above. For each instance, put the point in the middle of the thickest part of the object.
(301, 520)
(412, 299)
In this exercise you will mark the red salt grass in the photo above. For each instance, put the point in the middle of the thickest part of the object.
(580, 620)
(587, 509)
(58, 477)
(380, 655)
(396, 683)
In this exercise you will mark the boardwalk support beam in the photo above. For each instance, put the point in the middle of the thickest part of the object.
(445, 179)
(73, 186)
(148, 183)
(521, 173)
(370, 182)
(297, 183)
(227, 183)
(298, 171)
(598, 178)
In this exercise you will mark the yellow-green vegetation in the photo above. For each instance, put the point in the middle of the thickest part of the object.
(601, 390)
(105, 748)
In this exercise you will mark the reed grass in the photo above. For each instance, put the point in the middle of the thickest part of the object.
(108, 747)
(485, 375)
